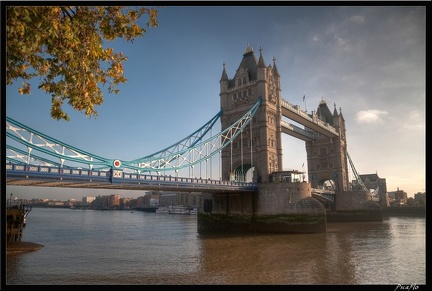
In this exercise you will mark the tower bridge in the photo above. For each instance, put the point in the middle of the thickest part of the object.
(248, 145)
(323, 131)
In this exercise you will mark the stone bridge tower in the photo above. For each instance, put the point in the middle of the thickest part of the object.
(327, 157)
(257, 151)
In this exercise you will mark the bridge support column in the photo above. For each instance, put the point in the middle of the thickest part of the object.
(275, 208)
(353, 206)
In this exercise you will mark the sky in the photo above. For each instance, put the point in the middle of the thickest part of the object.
(370, 61)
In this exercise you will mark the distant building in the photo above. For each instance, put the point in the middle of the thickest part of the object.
(132, 203)
(398, 197)
(56, 203)
(100, 202)
(143, 201)
(88, 200)
(168, 199)
(189, 199)
(154, 199)
(125, 202)
(114, 200)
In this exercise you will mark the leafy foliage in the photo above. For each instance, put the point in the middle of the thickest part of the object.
(63, 45)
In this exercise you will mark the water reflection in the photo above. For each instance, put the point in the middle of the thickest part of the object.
(349, 253)
(91, 247)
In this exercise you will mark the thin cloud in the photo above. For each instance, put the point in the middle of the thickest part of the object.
(415, 121)
(358, 19)
(370, 116)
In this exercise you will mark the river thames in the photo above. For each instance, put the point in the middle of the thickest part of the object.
(90, 247)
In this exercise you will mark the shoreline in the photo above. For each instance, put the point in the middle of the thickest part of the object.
(20, 247)
(404, 211)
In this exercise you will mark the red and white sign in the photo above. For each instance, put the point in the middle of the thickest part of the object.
(117, 163)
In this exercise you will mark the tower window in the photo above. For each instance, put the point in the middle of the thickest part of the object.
(323, 151)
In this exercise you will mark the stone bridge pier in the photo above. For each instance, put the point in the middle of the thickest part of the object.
(275, 208)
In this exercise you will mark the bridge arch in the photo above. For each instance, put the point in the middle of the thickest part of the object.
(326, 184)
(243, 173)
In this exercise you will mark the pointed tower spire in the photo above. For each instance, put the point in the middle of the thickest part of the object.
(224, 73)
(340, 114)
(261, 63)
(335, 113)
(224, 81)
(249, 49)
(275, 70)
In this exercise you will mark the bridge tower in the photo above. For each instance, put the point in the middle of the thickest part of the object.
(327, 157)
(258, 149)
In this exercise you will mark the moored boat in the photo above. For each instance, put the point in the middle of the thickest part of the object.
(179, 209)
(162, 209)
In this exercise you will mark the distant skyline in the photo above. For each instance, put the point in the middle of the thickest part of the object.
(369, 61)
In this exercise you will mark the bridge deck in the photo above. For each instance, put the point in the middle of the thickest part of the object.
(44, 176)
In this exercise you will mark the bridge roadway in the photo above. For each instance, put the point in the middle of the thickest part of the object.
(44, 176)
